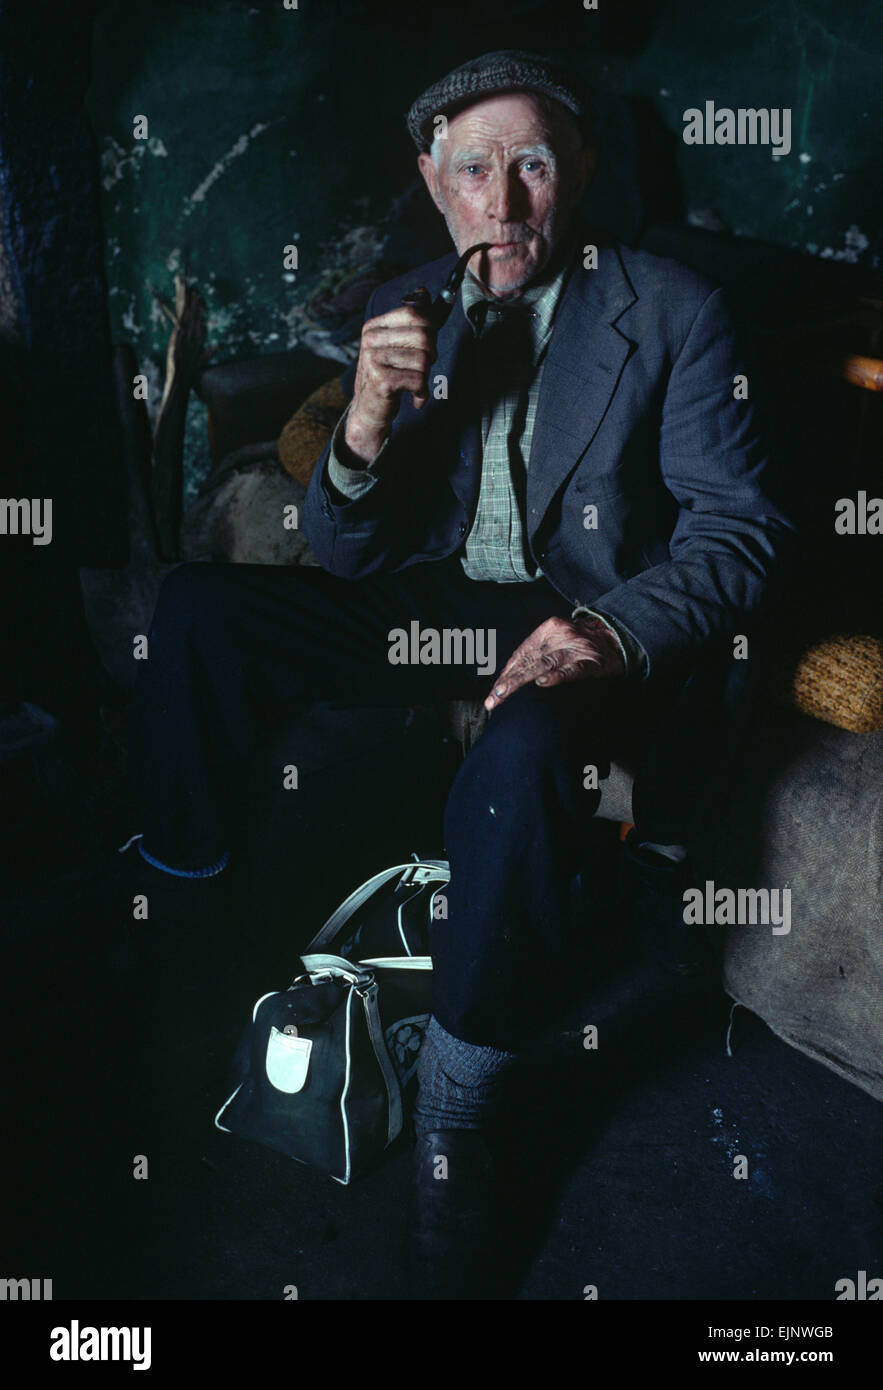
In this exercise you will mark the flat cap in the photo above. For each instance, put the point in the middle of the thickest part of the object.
(508, 70)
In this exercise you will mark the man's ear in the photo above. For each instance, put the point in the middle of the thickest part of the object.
(426, 165)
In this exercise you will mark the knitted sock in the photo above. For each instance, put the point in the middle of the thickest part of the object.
(458, 1082)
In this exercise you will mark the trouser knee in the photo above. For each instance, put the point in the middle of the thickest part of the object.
(534, 759)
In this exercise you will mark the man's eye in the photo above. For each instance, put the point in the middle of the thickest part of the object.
(532, 164)
(470, 168)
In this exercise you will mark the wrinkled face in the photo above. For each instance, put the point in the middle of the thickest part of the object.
(509, 174)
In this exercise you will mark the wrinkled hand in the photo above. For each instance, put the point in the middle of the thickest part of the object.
(395, 353)
(556, 652)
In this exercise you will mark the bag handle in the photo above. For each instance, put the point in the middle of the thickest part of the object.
(409, 872)
(365, 985)
(337, 968)
(387, 1070)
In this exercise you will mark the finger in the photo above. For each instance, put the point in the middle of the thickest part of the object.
(512, 678)
(396, 379)
(530, 666)
(414, 332)
(408, 358)
(569, 666)
(405, 316)
(561, 675)
(522, 665)
(404, 335)
(575, 666)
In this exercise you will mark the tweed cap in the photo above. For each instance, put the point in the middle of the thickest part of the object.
(508, 70)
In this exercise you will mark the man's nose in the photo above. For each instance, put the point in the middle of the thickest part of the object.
(507, 198)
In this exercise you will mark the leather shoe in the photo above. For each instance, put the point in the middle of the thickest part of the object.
(455, 1191)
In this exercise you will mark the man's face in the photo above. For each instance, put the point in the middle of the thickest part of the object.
(508, 174)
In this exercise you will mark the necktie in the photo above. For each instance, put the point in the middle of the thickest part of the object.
(505, 348)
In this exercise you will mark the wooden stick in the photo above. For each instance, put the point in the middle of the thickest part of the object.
(185, 359)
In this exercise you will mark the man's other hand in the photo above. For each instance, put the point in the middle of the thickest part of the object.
(559, 651)
(395, 354)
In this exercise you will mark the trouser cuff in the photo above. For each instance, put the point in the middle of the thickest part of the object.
(206, 871)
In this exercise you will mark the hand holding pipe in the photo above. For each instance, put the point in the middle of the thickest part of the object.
(437, 310)
(436, 313)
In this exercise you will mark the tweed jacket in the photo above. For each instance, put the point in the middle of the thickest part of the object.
(651, 494)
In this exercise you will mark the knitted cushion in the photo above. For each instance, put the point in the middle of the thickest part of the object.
(309, 430)
(840, 681)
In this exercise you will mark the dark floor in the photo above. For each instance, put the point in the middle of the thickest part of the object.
(618, 1162)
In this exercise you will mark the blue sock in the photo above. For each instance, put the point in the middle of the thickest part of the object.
(458, 1082)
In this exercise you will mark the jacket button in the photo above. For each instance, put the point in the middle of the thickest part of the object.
(462, 528)
(327, 510)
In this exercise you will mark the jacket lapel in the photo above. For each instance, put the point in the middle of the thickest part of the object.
(457, 424)
(585, 358)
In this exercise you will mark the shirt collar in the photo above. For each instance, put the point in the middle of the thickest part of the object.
(541, 301)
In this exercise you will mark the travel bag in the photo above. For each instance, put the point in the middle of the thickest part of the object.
(323, 1070)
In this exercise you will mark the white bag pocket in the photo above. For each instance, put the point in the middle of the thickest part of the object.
(287, 1061)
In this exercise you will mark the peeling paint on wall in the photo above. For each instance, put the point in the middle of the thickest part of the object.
(117, 162)
(253, 146)
(220, 168)
(855, 244)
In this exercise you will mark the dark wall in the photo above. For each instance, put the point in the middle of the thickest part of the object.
(57, 346)
(59, 436)
(270, 126)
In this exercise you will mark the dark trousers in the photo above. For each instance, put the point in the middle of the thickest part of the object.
(233, 648)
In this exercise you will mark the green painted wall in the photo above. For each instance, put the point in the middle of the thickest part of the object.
(270, 126)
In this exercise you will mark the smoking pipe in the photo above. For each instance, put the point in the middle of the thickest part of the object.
(438, 309)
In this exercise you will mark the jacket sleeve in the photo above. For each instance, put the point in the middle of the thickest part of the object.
(351, 483)
(356, 523)
(732, 537)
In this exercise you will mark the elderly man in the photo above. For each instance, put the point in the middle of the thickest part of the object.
(567, 465)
